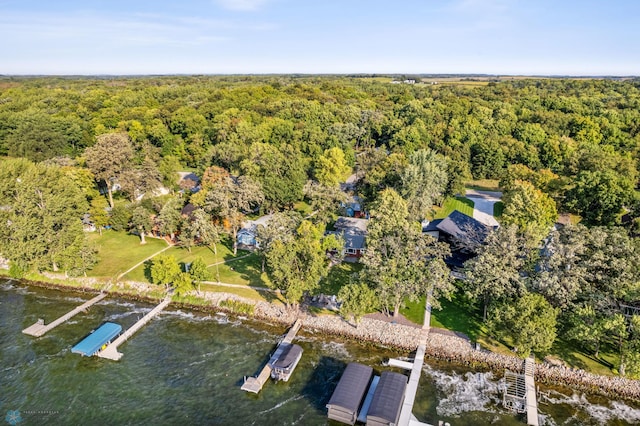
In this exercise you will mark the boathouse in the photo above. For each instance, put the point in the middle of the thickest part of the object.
(98, 338)
(286, 362)
(347, 397)
(387, 400)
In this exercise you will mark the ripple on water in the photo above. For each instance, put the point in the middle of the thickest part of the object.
(616, 410)
(464, 393)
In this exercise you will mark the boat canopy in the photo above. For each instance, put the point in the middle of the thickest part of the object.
(99, 337)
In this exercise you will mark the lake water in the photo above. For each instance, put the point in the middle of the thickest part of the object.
(186, 368)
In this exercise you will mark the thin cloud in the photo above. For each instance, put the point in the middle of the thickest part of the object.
(242, 5)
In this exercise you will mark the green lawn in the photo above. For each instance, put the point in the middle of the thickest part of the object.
(462, 204)
(119, 251)
(338, 276)
(246, 271)
(182, 255)
(303, 208)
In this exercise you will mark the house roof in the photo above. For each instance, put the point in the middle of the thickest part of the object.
(351, 225)
(388, 397)
(351, 387)
(250, 226)
(188, 209)
(288, 356)
(461, 226)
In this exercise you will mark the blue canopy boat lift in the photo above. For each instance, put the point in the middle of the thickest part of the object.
(98, 339)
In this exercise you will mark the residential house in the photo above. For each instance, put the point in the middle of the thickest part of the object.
(354, 232)
(463, 233)
(246, 238)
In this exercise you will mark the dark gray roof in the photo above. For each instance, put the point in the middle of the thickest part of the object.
(388, 397)
(461, 226)
(289, 355)
(355, 242)
(432, 226)
(352, 387)
(351, 225)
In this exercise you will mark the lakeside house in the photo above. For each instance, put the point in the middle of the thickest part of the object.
(354, 233)
(246, 238)
(463, 233)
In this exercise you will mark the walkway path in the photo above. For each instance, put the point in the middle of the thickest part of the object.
(483, 205)
(141, 262)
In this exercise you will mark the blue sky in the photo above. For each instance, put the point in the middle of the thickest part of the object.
(534, 37)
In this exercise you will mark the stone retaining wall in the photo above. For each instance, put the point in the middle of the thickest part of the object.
(441, 346)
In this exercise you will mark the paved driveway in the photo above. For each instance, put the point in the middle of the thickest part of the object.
(483, 205)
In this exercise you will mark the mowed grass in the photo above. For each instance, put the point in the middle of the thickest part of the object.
(184, 256)
(338, 276)
(119, 251)
(245, 271)
(462, 204)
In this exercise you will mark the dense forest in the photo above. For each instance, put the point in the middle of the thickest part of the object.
(267, 143)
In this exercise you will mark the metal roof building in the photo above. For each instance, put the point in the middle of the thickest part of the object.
(387, 400)
(98, 338)
(347, 397)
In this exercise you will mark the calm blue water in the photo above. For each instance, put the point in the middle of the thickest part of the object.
(186, 368)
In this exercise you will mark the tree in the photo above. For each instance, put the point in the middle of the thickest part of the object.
(141, 221)
(37, 137)
(494, 274)
(183, 283)
(399, 261)
(109, 158)
(281, 227)
(164, 269)
(530, 209)
(170, 217)
(280, 172)
(199, 272)
(296, 266)
(98, 213)
(357, 300)
(530, 323)
(120, 217)
(331, 167)
(231, 199)
(140, 179)
(40, 223)
(424, 180)
(599, 196)
(324, 200)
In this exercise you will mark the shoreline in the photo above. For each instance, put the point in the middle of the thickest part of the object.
(440, 346)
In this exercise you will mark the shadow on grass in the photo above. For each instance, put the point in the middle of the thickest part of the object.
(460, 315)
(147, 270)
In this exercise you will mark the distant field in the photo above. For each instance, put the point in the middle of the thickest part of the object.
(484, 184)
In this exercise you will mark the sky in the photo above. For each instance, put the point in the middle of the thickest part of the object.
(504, 37)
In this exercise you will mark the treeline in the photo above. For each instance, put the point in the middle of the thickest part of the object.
(277, 128)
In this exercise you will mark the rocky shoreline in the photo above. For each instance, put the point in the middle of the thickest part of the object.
(442, 346)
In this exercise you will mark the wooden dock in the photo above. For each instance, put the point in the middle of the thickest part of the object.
(255, 384)
(111, 351)
(530, 385)
(39, 328)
